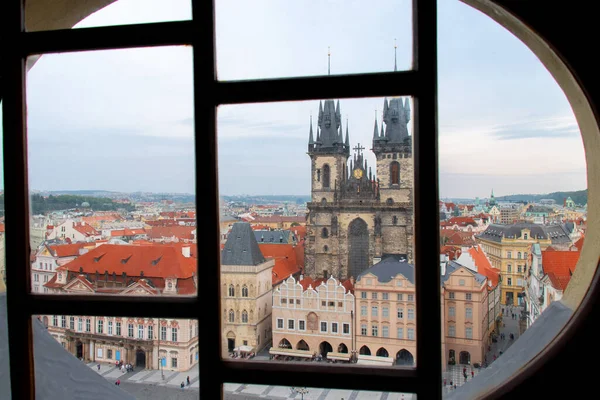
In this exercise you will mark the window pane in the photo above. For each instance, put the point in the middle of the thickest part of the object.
(293, 38)
(495, 215)
(277, 252)
(121, 12)
(111, 166)
(281, 392)
(142, 364)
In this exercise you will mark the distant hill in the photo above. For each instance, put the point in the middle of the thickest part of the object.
(579, 197)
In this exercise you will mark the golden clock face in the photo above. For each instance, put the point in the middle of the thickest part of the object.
(358, 173)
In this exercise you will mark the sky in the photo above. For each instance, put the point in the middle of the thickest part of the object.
(122, 120)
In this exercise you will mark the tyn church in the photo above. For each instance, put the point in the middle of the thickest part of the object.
(357, 217)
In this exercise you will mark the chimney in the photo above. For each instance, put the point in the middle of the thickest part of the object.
(186, 251)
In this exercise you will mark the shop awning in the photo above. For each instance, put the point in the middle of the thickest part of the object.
(339, 356)
(290, 352)
(374, 360)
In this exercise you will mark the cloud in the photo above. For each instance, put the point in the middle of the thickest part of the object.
(549, 127)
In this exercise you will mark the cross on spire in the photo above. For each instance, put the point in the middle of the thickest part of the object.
(395, 63)
(328, 60)
(358, 148)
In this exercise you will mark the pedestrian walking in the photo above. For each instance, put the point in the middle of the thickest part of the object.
(188, 380)
(444, 382)
(118, 382)
(472, 374)
(451, 383)
(98, 366)
(182, 385)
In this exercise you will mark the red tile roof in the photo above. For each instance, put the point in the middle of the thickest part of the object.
(2, 228)
(484, 267)
(157, 261)
(286, 263)
(462, 221)
(279, 218)
(579, 244)
(85, 229)
(180, 232)
(453, 252)
(127, 232)
(561, 264)
(68, 250)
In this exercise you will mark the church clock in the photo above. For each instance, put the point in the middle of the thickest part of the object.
(357, 173)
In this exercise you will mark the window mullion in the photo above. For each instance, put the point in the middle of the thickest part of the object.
(20, 338)
(426, 197)
(209, 299)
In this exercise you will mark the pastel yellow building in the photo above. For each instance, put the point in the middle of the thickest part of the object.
(507, 248)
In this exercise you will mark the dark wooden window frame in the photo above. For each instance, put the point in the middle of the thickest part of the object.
(420, 82)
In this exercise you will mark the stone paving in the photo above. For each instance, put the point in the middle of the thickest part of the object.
(454, 373)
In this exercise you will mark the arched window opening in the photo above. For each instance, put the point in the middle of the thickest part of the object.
(395, 173)
(324, 233)
(326, 177)
(244, 291)
(244, 317)
(231, 291)
(231, 316)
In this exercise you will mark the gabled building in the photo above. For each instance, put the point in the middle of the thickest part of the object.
(50, 256)
(247, 293)
(74, 232)
(309, 320)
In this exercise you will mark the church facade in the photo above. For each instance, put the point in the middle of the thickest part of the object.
(357, 215)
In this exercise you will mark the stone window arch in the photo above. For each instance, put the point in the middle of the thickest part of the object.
(231, 316)
(394, 173)
(231, 291)
(324, 233)
(394, 220)
(325, 248)
(244, 291)
(244, 317)
(326, 176)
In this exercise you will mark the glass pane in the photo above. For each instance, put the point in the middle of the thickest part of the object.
(128, 357)
(310, 242)
(271, 39)
(111, 170)
(4, 361)
(237, 390)
(44, 17)
(507, 206)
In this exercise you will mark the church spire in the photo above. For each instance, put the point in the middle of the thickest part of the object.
(310, 136)
(395, 63)
(375, 129)
(347, 143)
(407, 109)
(341, 132)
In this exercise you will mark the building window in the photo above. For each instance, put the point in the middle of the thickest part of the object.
(394, 173)
(519, 268)
(411, 313)
(374, 296)
(394, 220)
(461, 282)
(346, 329)
(400, 313)
(140, 331)
(451, 331)
(400, 333)
(326, 176)
(109, 354)
(290, 324)
(88, 325)
(36, 278)
(374, 312)
(519, 255)
(79, 325)
(410, 334)
(173, 362)
(468, 296)
(385, 331)
(118, 329)
(399, 284)
(72, 323)
(509, 269)
(163, 333)
(301, 325)
(374, 330)
(469, 333)
(324, 233)
(509, 281)
(244, 317)
(100, 326)
(150, 332)
(110, 327)
(451, 311)
(231, 291)
(173, 334)
(385, 296)
(385, 312)
(363, 295)
(411, 297)
(244, 291)
(130, 330)
(363, 329)
(509, 254)
(525, 236)
(323, 326)
(468, 313)
(334, 327)
(63, 322)
(284, 300)
(400, 295)
(279, 323)
(231, 316)
(363, 311)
